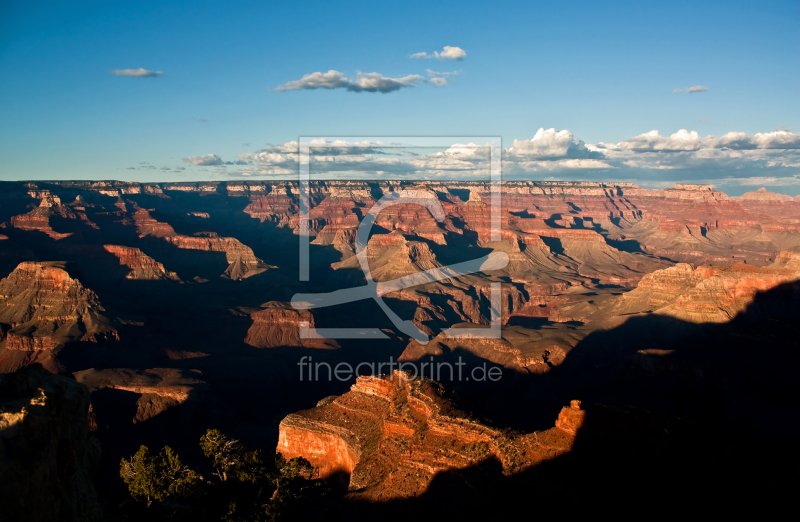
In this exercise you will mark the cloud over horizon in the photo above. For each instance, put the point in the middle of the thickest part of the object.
(364, 82)
(549, 144)
(684, 140)
(205, 160)
(648, 159)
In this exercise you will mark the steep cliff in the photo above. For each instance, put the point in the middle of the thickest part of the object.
(278, 324)
(44, 306)
(141, 266)
(47, 457)
(242, 262)
(391, 435)
(707, 293)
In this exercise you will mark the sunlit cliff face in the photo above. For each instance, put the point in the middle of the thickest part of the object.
(389, 437)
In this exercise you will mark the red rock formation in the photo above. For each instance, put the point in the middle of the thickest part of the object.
(141, 265)
(391, 435)
(159, 388)
(763, 195)
(520, 349)
(278, 324)
(39, 218)
(391, 256)
(707, 294)
(278, 206)
(146, 225)
(45, 307)
(242, 261)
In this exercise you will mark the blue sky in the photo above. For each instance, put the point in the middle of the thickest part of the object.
(604, 71)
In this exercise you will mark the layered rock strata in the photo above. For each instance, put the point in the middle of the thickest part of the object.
(391, 435)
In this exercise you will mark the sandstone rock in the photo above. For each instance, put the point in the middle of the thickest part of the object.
(278, 324)
(243, 263)
(390, 435)
(519, 349)
(146, 225)
(159, 388)
(141, 265)
(706, 294)
(47, 307)
(39, 218)
(763, 195)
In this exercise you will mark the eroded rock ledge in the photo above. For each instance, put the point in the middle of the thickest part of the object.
(391, 435)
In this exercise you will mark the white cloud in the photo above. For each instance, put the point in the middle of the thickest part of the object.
(207, 159)
(684, 140)
(762, 140)
(375, 82)
(451, 53)
(686, 156)
(448, 53)
(650, 159)
(692, 89)
(317, 80)
(139, 73)
(550, 144)
(439, 78)
(653, 141)
(521, 168)
(760, 181)
(364, 82)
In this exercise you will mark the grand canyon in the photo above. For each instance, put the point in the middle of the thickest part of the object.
(648, 345)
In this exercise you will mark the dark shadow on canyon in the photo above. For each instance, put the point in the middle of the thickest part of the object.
(682, 417)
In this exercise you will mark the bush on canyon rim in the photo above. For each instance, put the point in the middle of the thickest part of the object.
(247, 487)
(157, 477)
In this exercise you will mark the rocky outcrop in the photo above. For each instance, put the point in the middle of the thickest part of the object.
(45, 307)
(47, 457)
(706, 293)
(279, 206)
(243, 263)
(39, 218)
(391, 435)
(518, 349)
(146, 225)
(142, 266)
(278, 325)
(788, 259)
(391, 256)
(158, 388)
(763, 195)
